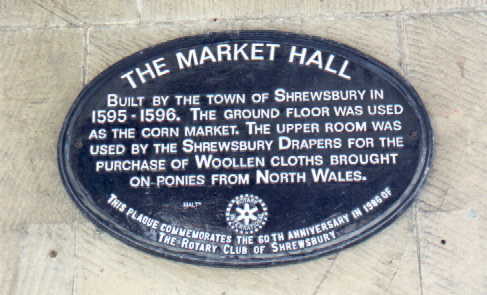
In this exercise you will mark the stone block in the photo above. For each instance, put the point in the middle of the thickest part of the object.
(67, 12)
(420, 6)
(376, 37)
(164, 11)
(41, 75)
(39, 259)
(453, 250)
(445, 58)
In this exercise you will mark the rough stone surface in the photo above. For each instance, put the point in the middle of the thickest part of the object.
(50, 48)
(67, 12)
(154, 10)
(442, 5)
(38, 259)
(167, 10)
(40, 74)
(380, 40)
(453, 251)
(444, 61)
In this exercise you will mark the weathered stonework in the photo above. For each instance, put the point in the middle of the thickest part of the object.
(49, 49)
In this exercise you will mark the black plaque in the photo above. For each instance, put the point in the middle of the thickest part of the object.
(245, 148)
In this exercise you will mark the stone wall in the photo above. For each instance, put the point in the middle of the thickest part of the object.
(50, 48)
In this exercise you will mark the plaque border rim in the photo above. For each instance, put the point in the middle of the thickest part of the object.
(426, 149)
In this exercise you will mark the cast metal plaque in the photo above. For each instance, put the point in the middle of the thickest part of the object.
(245, 148)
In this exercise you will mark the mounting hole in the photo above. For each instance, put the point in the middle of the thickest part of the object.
(78, 144)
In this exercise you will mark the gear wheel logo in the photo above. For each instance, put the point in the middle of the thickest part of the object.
(246, 214)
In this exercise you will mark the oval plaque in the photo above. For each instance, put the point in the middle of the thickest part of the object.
(245, 148)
